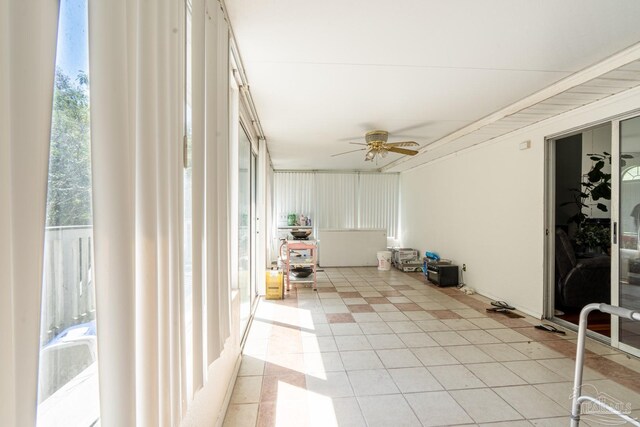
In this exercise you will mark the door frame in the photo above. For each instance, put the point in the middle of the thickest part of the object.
(549, 223)
(615, 202)
(550, 226)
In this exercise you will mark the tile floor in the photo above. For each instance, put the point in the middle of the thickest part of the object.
(373, 348)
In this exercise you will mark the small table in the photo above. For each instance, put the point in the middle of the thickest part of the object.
(310, 261)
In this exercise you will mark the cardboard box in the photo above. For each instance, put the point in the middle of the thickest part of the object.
(274, 284)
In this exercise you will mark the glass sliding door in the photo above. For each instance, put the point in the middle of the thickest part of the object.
(629, 223)
(254, 225)
(244, 228)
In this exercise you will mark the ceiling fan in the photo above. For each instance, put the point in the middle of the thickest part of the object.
(377, 145)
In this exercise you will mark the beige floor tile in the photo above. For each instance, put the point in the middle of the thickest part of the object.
(434, 356)
(328, 412)
(630, 362)
(536, 350)
(612, 389)
(448, 338)
(483, 405)
(532, 372)
(383, 308)
(313, 344)
(495, 374)
(372, 382)
(413, 380)
(332, 384)
(486, 323)
(353, 301)
(387, 410)
(530, 402)
(239, 415)
(398, 358)
(336, 309)
(345, 329)
(552, 422)
(385, 341)
(309, 363)
(432, 325)
(251, 366)
(352, 342)
(469, 354)
(437, 408)
(393, 316)
(460, 324)
(502, 352)
(479, 337)
(508, 335)
(431, 306)
(368, 293)
(418, 315)
(565, 369)
(521, 423)
(455, 377)
(365, 359)
(320, 363)
(559, 392)
(418, 339)
(468, 313)
(366, 317)
(318, 330)
(247, 390)
(372, 328)
(404, 327)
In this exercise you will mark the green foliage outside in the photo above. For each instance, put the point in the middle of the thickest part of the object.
(69, 191)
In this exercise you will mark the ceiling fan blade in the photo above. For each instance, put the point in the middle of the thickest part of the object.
(358, 143)
(403, 151)
(347, 152)
(402, 144)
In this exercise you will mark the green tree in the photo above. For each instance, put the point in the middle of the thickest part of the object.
(69, 190)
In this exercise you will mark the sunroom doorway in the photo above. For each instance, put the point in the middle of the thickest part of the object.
(580, 230)
(593, 225)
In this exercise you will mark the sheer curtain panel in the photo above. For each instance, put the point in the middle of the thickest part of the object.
(378, 202)
(216, 190)
(27, 61)
(336, 199)
(135, 69)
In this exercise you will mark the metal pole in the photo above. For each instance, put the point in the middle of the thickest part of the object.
(577, 380)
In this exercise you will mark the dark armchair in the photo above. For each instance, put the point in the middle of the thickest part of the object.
(580, 281)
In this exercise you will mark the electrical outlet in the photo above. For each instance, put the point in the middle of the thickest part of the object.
(464, 267)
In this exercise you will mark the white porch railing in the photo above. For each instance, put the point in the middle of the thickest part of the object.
(68, 292)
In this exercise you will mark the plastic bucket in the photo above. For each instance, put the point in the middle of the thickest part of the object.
(384, 260)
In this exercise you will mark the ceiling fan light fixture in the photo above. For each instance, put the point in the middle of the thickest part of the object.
(370, 155)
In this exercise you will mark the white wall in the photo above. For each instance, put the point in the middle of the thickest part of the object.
(485, 206)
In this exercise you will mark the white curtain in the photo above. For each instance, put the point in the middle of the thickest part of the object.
(216, 194)
(136, 127)
(378, 202)
(336, 200)
(339, 200)
(137, 96)
(294, 193)
(27, 62)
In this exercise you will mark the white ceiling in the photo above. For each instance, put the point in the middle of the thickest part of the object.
(322, 73)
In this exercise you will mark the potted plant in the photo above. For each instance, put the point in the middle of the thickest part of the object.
(593, 238)
(595, 187)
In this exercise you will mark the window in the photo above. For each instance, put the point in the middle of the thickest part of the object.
(188, 210)
(68, 374)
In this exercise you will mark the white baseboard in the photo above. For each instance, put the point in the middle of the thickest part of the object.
(227, 396)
